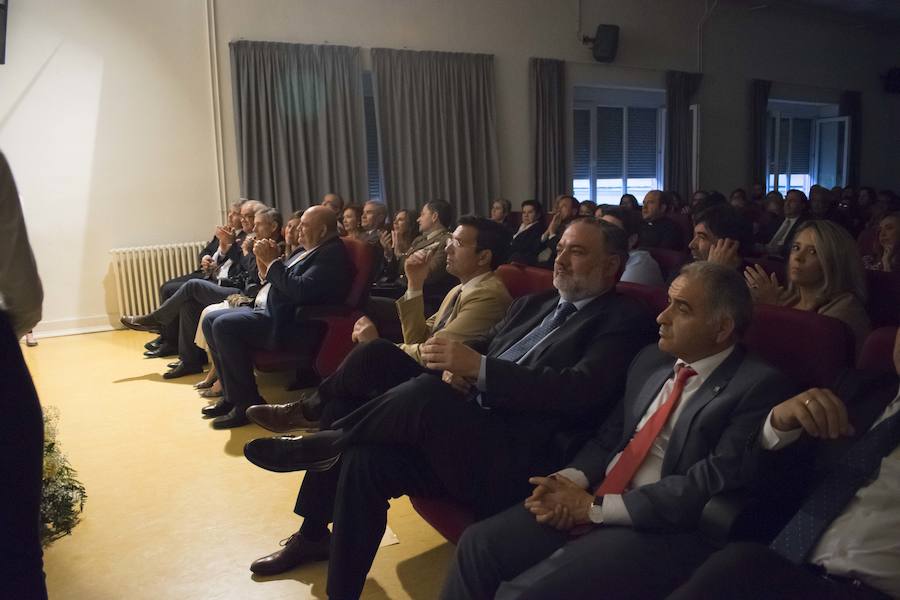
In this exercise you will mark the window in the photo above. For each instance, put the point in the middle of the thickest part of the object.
(805, 144)
(618, 141)
(373, 159)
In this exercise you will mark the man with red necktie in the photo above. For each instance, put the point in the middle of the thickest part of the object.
(621, 520)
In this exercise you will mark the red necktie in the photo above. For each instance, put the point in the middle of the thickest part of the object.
(638, 447)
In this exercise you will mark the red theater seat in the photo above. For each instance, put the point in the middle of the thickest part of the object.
(884, 297)
(521, 280)
(335, 321)
(808, 347)
(653, 298)
(669, 260)
(877, 354)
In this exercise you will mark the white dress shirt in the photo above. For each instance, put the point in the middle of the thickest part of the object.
(650, 471)
(864, 541)
(642, 268)
(780, 236)
(262, 296)
(224, 270)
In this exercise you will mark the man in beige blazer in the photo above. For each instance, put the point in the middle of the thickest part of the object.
(470, 309)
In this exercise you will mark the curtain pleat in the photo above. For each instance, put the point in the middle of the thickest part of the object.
(851, 106)
(437, 128)
(548, 90)
(759, 108)
(680, 88)
(299, 127)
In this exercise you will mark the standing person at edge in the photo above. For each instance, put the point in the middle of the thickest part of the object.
(22, 427)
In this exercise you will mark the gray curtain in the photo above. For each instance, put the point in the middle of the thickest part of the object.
(298, 118)
(437, 128)
(680, 88)
(759, 109)
(851, 106)
(547, 80)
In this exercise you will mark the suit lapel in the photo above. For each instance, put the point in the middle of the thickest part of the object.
(521, 331)
(710, 389)
(571, 324)
(645, 397)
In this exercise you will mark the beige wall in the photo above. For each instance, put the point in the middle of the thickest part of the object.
(106, 111)
(105, 117)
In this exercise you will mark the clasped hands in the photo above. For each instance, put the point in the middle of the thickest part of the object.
(226, 236)
(558, 502)
(265, 252)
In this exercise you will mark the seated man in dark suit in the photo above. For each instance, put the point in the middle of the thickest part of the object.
(526, 242)
(184, 307)
(468, 311)
(659, 231)
(506, 406)
(318, 274)
(843, 541)
(621, 519)
(795, 205)
(721, 236)
(218, 258)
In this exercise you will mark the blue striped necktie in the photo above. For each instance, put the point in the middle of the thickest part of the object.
(515, 352)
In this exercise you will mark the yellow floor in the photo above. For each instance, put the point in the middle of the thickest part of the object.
(174, 511)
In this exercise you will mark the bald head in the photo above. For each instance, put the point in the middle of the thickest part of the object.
(317, 225)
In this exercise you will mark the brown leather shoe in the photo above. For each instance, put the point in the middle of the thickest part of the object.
(280, 418)
(297, 550)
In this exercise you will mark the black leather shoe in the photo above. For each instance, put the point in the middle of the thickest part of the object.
(172, 365)
(143, 323)
(283, 454)
(280, 418)
(235, 418)
(222, 407)
(181, 370)
(297, 550)
(162, 352)
(153, 344)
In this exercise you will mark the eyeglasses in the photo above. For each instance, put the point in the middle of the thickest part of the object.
(452, 241)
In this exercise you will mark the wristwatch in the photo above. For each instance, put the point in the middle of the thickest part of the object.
(595, 512)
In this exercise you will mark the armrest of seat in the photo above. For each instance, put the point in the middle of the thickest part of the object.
(336, 343)
(723, 514)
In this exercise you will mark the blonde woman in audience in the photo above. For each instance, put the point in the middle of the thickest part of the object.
(825, 274)
(887, 246)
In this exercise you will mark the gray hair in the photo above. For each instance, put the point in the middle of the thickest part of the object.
(726, 292)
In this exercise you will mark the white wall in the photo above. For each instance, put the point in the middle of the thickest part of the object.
(107, 120)
(105, 117)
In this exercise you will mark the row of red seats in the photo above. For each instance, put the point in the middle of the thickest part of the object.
(811, 348)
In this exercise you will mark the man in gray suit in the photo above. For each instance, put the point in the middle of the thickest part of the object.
(621, 520)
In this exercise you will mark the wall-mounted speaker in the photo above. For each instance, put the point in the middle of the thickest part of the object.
(4, 8)
(604, 43)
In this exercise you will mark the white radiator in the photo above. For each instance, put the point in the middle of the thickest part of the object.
(140, 271)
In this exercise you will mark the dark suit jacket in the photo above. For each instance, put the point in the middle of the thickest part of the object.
(786, 476)
(785, 249)
(573, 378)
(708, 452)
(210, 249)
(321, 278)
(526, 246)
(661, 233)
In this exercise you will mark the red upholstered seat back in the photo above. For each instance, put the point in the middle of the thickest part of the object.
(653, 298)
(669, 260)
(769, 265)
(877, 353)
(362, 256)
(810, 348)
(521, 280)
(884, 297)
